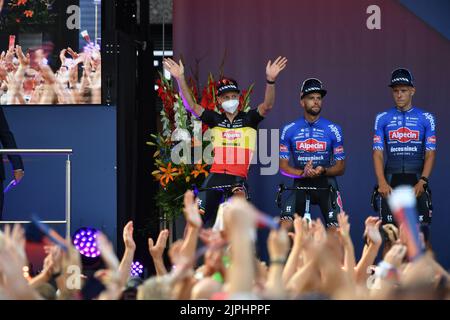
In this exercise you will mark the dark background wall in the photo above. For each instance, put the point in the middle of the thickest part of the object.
(329, 39)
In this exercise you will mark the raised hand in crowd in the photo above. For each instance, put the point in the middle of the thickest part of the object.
(157, 250)
(71, 279)
(278, 246)
(240, 217)
(111, 277)
(349, 253)
(373, 240)
(127, 258)
(12, 261)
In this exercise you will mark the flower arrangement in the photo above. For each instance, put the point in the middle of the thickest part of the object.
(178, 124)
(27, 15)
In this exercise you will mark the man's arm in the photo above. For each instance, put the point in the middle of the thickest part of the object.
(337, 170)
(428, 164)
(349, 250)
(177, 71)
(378, 162)
(278, 246)
(8, 142)
(240, 217)
(24, 62)
(157, 251)
(373, 242)
(430, 153)
(285, 153)
(378, 156)
(337, 148)
(272, 71)
(193, 226)
(288, 171)
(127, 259)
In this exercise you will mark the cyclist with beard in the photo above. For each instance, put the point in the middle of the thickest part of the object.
(316, 147)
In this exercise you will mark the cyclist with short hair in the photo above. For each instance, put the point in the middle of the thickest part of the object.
(407, 135)
(316, 146)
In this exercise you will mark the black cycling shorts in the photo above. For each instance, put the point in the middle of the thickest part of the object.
(422, 204)
(209, 201)
(329, 201)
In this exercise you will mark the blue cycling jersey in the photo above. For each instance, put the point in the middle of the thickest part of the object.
(406, 135)
(321, 141)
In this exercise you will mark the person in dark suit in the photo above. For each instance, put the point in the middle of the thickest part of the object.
(8, 142)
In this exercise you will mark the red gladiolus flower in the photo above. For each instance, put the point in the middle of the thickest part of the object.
(168, 99)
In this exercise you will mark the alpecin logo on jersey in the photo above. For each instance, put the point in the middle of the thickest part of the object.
(231, 135)
(311, 145)
(339, 149)
(404, 135)
(376, 139)
(432, 139)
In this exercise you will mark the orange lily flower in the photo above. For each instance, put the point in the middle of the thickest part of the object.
(167, 174)
(199, 169)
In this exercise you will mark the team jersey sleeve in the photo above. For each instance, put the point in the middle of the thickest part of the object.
(430, 132)
(285, 143)
(210, 118)
(254, 118)
(378, 137)
(337, 142)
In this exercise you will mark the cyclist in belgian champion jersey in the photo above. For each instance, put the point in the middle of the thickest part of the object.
(316, 146)
(407, 135)
(233, 132)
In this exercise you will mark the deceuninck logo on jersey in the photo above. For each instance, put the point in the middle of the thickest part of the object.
(404, 135)
(311, 145)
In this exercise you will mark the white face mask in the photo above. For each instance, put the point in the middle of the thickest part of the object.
(230, 106)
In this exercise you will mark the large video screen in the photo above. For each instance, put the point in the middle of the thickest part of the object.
(50, 52)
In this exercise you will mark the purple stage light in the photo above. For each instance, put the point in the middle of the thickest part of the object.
(136, 269)
(85, 242)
